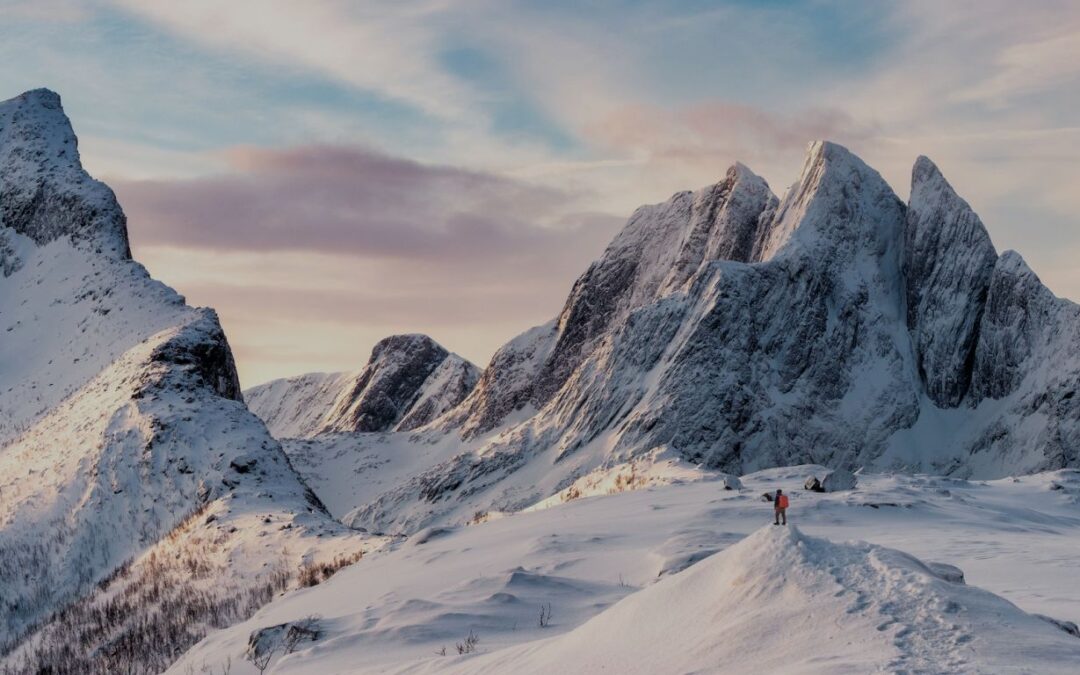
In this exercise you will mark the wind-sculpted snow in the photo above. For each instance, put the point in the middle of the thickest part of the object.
(409, 381)
(837, 325)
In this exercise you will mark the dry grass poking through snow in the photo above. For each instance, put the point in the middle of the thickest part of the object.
(313, 574)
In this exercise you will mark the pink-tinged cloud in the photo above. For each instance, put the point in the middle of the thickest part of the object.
(353, 201)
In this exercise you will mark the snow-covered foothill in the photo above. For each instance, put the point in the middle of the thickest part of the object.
(782, 601)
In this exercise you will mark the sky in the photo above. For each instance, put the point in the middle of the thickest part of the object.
(328, 173)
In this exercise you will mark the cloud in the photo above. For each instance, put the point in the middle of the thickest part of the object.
(354, 201)
(388, 48)
(314, 253)
(67, 11)
(1029, 67)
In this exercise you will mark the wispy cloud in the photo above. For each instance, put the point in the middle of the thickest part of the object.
(354, 201)
(390, 48)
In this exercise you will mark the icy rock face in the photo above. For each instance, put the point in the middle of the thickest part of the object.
(838, 320)
(44, 192)
(451, 381)
(409, 381)
(658, 251)
(1018, 319)
(948, 263)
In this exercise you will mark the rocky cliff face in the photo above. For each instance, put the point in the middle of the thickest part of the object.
(658, 251)
(947, 267)
(409, 381)
(737, 331)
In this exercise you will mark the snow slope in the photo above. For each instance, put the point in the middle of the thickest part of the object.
(124, 440)
(781, 601)
(632, 587)
(409, 381)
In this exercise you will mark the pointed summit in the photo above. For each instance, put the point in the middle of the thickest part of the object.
(838, 203)
(948, 260)
(45, 194)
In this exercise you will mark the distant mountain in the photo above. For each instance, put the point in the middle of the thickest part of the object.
(738, 331)
(135, 487)
(409, 381)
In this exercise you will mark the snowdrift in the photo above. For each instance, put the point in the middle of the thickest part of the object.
(782, 601)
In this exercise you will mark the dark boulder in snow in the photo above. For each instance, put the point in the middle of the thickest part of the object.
(813, 485)
(1065, 626)
(950, 573)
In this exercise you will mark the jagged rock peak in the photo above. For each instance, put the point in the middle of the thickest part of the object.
(45, 194)
(839, 203)
(948, 262)
(1011, 263)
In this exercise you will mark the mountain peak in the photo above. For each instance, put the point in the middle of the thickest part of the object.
(840, 202)
(45, 194)
(948, 261)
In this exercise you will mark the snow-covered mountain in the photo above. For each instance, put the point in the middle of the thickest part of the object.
(734, 330)
(409, 381)
(140, 501)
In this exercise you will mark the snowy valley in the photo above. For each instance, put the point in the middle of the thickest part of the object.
(591, 500)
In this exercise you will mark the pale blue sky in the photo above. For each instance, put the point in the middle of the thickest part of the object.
(523, 131)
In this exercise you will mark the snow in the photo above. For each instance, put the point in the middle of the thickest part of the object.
(630, 581)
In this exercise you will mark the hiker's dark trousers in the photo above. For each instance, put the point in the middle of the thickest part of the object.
(781, 516)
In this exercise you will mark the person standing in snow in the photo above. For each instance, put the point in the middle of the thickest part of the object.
(780, 504)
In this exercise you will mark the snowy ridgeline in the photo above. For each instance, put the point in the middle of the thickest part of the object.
(694, 578)
(141, 504)
(733, 330)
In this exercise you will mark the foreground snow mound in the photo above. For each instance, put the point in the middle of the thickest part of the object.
(409, 381)
(781, 601)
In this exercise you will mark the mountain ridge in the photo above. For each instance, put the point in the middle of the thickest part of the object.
(851, 326)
